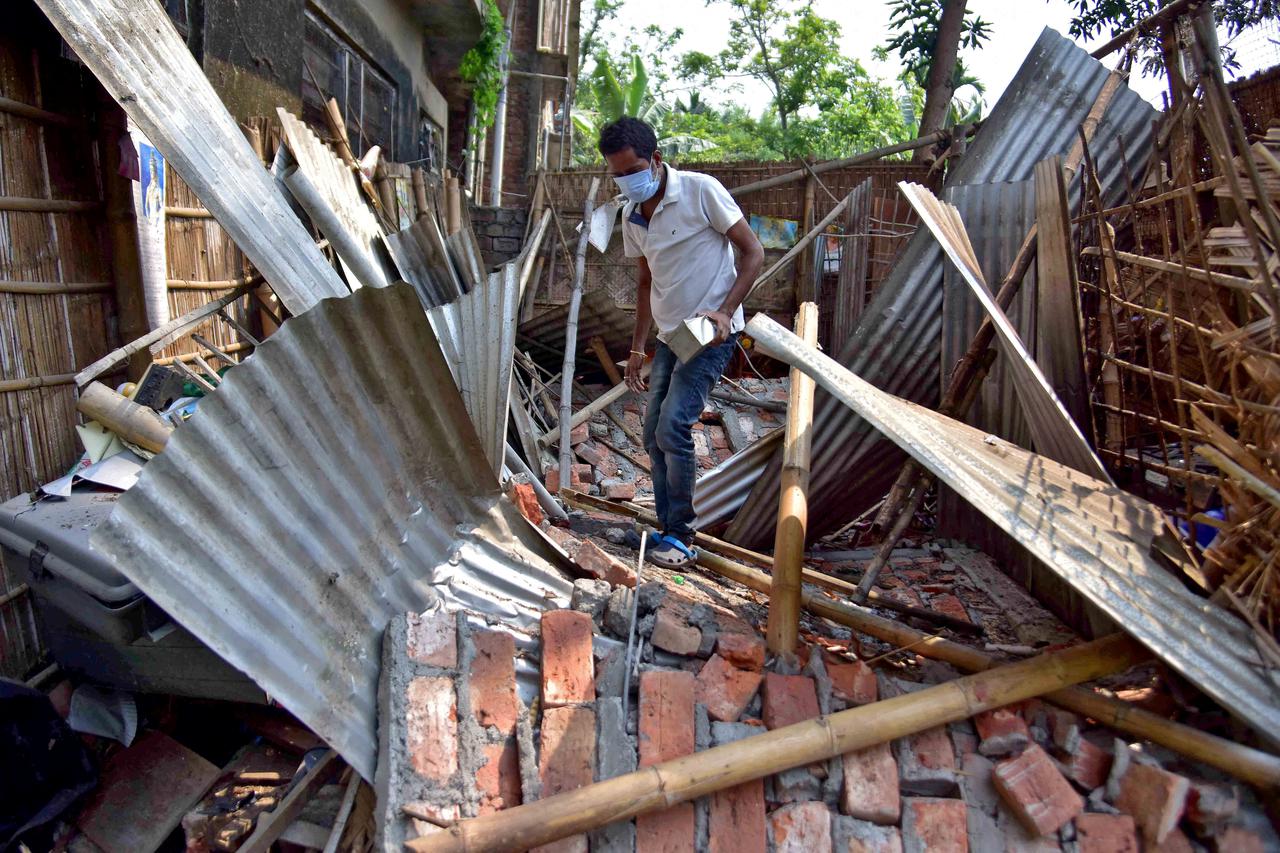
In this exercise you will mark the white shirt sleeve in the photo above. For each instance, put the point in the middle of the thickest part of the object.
(722, 211)
(630, 245)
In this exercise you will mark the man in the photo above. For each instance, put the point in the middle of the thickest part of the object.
(682, 228)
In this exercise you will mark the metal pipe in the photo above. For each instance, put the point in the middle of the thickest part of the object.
(545, 500)
(500, 118)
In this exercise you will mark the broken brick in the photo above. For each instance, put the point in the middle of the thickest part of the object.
(1154, 797)
(1088, 765)
(948, 605)
(725, 690)
(568, 668)
(1036, 792)
(498, 779)
(580, 478)
(870, 790)
(801, 828)
(1210, 805)
(493, 680)
(599, 564)
(673, 634)
(666, 732)
(743, 650)
(579, 434)
(1106, 833)
(620, 491)
(431, 722)
(1002, 731)
(737, 819)
(433, 638)
(597, 457)
(789, 699)
(934, 825)
(927, 763)
(526, 500)
(862, 837)
(567, 758)
(852, 681)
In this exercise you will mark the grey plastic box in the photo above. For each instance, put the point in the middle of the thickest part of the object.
(96, 622)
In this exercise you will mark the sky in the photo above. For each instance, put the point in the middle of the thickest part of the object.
(865, 24)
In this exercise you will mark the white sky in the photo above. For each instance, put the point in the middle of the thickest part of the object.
(865, 24)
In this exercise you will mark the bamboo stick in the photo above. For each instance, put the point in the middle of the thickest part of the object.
(188, 213)
(129, 420)
(571, 337)
(18, 108)
(419, 183)
(817, 168)
(54, 287)
(28, 383)
(800, 246)
(1233, 282)
(664, 785)
(1243, 762)
(46, 205)
(190, 356)
(783, 629)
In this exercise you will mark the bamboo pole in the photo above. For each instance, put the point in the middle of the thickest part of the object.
(818, 168)
(54, 287)
(783, 628)
(1251, 765)
(18, 108)
(571, 337)
(663, 785)
(188, 213)
(418, 181)
(129, 420)
(29, 383)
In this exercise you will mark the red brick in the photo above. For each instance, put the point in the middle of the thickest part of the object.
(597, 457)
(1002, 731)
(433, 638)
(579, 475)
(725, 689)
(431, 722)
(567, 757)
(934, 825)
(620, 491)
(598, 563)
(737, 821)
(568, 670)
(526, 500)
(1106, 833)
(852, 681)
(870, 790)
(718, 441)
(666, 715)
(1155, 798)
(948, 605)
(1036, 792)
(869, 838)
(498, 780)
(932, 748)
(671, 830)
(1237, 839)
(1064, 728)
(1089, 765)
(788, 699)
(743, 650)
(673, 634)
(801, 828)
(493, 680)
(579, 434)
(913, 577)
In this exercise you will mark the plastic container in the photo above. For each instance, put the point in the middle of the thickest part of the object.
(96, 622)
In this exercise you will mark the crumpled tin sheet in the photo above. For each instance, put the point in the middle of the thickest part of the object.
(477, 332)
(719, 492)
(331, 481)
(1053, 432)
(1095, 536)
(598, 316)
(896, 344)
(422, 257)
(133, 49)
(330, 193)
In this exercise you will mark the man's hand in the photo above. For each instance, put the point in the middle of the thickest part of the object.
(724, 326)
(635, 364)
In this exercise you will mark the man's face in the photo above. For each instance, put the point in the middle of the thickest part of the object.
(626, 162)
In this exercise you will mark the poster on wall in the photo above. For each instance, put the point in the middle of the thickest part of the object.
(148, 208)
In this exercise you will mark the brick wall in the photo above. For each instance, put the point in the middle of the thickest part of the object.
(500, 231)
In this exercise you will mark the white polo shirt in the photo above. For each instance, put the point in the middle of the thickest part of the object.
(689, 255)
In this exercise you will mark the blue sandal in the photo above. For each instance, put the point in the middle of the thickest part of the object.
(670, 553)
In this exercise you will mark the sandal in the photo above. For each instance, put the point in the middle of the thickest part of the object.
(671, 553)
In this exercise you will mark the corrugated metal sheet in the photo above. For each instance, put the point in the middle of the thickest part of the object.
(1091, 533)
(477, 332)
(422, 257)
(896, 344)
(328, 191)
(1053, 432)
(599, 316)
(331, 481)
(133, 49)
(719, 492)
(465, 252)
(851, 282)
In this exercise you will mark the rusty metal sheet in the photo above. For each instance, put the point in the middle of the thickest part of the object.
(896, 343)
(1094, 535)
(1053, 432)
(330, 482)
(133, 49)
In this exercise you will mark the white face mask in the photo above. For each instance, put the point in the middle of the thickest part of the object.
(640, 186)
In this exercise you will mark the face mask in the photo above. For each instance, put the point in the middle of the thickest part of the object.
(640, 186)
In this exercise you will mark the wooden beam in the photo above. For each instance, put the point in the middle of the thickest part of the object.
(18, 108)
(783, 629)
(664, 785)
(46, 205)
(606, 362)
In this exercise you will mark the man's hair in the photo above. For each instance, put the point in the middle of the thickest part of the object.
(628, 132)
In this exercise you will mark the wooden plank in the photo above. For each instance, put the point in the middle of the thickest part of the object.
(271, 824)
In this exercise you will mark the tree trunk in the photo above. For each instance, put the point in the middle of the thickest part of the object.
(938, 88)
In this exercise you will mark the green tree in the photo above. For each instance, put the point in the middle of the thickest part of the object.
(590, 38)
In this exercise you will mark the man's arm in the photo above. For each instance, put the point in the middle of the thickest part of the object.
(750, 261)
(644, 317)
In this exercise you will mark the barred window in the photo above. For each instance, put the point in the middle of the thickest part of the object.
(332, 68)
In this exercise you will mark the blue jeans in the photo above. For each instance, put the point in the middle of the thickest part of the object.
(677, 395)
